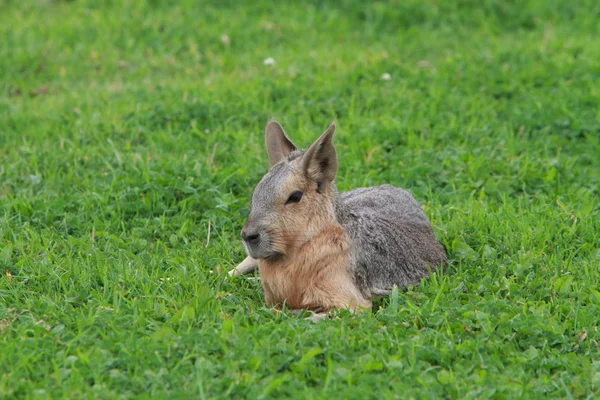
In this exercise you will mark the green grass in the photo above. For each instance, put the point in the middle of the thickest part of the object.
(131, 137)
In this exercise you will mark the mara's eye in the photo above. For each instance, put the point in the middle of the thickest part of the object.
(294, 197)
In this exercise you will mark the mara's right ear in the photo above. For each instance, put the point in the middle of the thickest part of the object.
(320, 160)
(278, 144)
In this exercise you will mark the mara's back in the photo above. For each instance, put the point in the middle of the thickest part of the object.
(393, 241)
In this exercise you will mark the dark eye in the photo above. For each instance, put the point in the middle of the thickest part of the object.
(294, 197)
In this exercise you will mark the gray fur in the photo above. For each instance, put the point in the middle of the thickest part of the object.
(263, 203)
(263, 197)
(393, 241)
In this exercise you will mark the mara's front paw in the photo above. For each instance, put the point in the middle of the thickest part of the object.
(247, 266)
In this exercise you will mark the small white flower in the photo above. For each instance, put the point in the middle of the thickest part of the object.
(424, 64)
(269, 61)
(386, 77)
(34, 179)
(225, 40)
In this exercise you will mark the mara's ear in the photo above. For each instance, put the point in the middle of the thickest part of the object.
(278, 144)
(320, 160)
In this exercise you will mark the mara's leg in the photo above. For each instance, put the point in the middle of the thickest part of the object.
(245, 267)
(315, 315)
(337, 292)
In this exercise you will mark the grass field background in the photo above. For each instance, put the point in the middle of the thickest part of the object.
(131, 137)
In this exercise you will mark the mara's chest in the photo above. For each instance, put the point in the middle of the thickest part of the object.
(283, 284)
(317, 275)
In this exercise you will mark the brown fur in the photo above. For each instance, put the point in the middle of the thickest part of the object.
(314, 276)
(298, 223)
(314, 269)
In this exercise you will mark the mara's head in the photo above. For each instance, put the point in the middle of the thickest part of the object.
(295, 200)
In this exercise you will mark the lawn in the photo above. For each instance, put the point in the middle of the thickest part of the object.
(131, 138)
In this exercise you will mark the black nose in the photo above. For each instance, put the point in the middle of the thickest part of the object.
(250, 237)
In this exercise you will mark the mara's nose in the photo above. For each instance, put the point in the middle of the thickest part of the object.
(250, 236)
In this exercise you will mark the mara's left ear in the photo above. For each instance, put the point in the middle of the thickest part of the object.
(278, 144)
(320, 160)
